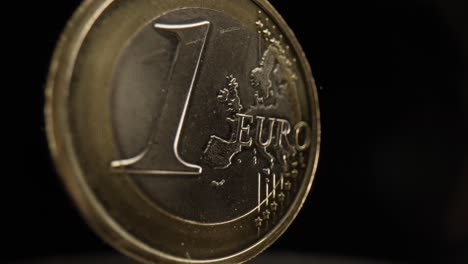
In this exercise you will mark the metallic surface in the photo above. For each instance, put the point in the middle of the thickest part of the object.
(186, 131)
(268, 258)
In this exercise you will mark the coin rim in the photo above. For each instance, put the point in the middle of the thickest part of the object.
(63, 62)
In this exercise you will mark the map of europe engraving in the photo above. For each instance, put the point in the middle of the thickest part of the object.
(254, 127)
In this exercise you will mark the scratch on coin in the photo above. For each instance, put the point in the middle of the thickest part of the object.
(227, 30)
(195, 41)
(218, 184)
(153, 56)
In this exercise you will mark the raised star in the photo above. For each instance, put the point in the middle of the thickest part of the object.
(259, 24)
(287, 186)
(258, 222)
(294, 173)
(266, 214)
(274, 206)
(281, 197)
(302, 160)
(294, 164)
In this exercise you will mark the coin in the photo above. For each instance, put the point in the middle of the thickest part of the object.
(185, 131)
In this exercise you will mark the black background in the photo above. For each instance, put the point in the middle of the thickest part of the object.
(392, 182)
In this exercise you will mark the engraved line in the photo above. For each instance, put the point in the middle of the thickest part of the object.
(127, 162)
(259, 190)
(260, 46)
(154, 172)
(183, 26)
(174, 61)
(274, 184)
(282, 181)
(268, 194)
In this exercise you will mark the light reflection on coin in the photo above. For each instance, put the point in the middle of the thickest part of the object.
(186, 131)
